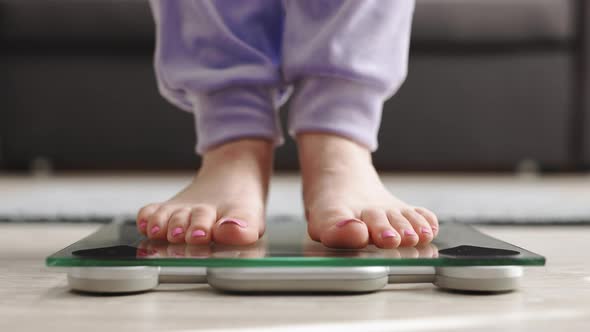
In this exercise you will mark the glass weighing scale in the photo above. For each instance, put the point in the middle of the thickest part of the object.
(117, 259)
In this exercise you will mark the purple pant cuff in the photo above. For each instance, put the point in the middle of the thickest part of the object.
(337, 106)
(236, 113)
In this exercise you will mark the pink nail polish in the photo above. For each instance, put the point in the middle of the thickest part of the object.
(142, 224)
(425, 230)
(240, 223)
(155, 229)
(408, 232)
(346, 222)
(177, 231)
(388, 234)
(198, 233)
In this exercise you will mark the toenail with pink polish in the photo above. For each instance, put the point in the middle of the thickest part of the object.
(408, 232)
(155, 229)
(388, 234)
(240, 223)
(346, 222)
(177, 231)
(425, 230)
(143, 224)
(198, 233)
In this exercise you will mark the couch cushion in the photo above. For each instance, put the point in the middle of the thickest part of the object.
(482, 21)
(488, 112)
(127, 23)
(485, 112)
(78, 23)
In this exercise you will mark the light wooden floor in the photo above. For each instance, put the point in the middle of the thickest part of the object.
(555, 297)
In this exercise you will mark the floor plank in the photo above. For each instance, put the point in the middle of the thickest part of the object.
(553, 297)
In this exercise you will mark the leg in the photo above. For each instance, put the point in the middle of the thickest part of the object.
(345, 59)
(219, 60)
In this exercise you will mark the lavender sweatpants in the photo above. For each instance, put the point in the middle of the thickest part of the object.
(234, 62)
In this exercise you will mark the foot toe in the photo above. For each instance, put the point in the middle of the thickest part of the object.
(380, 230)
(430, 218)
(177, 225)
(202, 219)
(337, 227)
(157, 226)
(349, 233)
(237, 228)
(420, 225)
(143, 216)
(409, 238)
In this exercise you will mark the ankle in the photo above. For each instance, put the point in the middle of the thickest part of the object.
(253, 156)
(319, 151)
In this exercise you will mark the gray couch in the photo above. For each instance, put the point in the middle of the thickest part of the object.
(491, 83)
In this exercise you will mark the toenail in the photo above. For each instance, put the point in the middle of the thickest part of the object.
(425, 230)
(143, 224)
(346, 222)
(155, 229)
(198, 233)
(240, 223)
(409, 232)
(177, 231)
(387, 234)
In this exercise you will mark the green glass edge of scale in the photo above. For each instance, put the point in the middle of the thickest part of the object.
(293, 262)
(58, 260)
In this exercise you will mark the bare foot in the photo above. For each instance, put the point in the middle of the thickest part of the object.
(347, 205)
(225, 202)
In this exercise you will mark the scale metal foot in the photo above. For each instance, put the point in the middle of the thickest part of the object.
(128, 279)
(479, 278)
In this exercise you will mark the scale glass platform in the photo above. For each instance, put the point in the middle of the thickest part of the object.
(117, 259)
